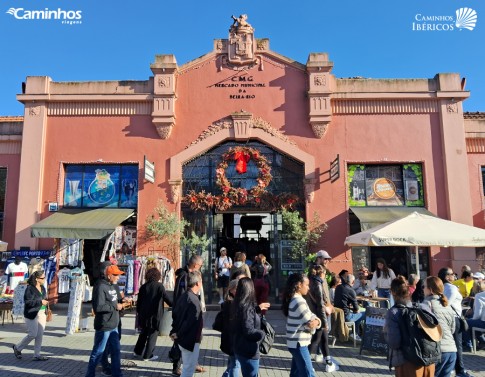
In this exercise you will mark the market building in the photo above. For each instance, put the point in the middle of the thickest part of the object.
(229, 139)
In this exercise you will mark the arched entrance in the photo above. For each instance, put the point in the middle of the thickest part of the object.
(247, 227)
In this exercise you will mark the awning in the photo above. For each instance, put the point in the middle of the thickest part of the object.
(372, 216)
(84, 224)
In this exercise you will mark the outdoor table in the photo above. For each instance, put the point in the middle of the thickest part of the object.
(375, 301)
(5, 309)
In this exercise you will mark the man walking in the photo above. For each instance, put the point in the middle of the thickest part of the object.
(181, 286)
(187, 323)
(106, 310)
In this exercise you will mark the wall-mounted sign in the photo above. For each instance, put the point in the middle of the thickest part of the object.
(53, 207)
(149, 171)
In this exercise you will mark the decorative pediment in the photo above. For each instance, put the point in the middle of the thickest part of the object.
(241, 125)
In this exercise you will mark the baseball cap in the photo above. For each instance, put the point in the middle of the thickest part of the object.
(478, 275)
(323, 254)
(113, 270)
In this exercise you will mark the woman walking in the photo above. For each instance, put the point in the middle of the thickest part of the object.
(316, 301)
(35, 298)
(246, 328)
(381, 281)
(227, 338)
(259, 272)
(150, 308)
(435, 298)
(395, 338)
(455, 298)
(300, 325)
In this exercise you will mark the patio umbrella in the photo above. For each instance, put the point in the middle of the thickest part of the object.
(419, 230)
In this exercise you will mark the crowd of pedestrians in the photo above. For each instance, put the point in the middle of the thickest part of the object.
(307, 304)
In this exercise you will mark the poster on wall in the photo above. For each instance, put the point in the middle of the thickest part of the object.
(385, 185)
(95, 186)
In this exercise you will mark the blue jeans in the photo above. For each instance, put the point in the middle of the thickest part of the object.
(233, 367)
(355, 317)
(446, 365)
(301, 362)
(101, 339)
(386, 293)
(249, 367)
(467, 335)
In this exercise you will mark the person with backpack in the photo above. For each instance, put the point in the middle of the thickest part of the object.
(301, 323)
(239, 267)
(246, 328)
(435, 298)
(411, 350)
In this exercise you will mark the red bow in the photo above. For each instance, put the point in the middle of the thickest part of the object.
(241, 159)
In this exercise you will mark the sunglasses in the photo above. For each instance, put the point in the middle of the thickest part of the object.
(42, 277)
(450, 273)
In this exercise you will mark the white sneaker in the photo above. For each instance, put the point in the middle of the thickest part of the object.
(329, 368)
(319, 358)
(221, 301)
(153, 358)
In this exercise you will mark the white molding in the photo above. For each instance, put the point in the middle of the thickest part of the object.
(384, 106)
(99, 108)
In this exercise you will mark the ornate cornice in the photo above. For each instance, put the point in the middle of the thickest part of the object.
(228, 123)
(99, 108)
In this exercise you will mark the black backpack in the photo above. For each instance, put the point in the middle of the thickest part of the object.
(268, 340)
(417, 347)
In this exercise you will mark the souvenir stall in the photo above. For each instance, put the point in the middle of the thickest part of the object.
(20, 265)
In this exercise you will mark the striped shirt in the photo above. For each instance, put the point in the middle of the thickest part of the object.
(299, 315)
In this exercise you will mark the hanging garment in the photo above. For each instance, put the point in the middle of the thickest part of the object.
(18, 273)
(50, 265)
(18, 300)
(64, 279)
(75, 302)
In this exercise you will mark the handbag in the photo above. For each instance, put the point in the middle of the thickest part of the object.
(174, 354)
(48, 314)
(463, 323)
(218, 322)
(269, 334)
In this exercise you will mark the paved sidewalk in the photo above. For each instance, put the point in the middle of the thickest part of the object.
(69, 353)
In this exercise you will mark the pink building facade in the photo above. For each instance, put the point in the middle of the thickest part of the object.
(397, 145)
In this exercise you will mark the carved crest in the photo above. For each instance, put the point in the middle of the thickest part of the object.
(242, 44)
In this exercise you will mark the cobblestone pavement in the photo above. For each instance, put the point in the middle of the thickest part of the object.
(69, 353)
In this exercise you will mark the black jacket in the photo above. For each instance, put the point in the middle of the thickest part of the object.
(180, 283)
(247, 333)
(316, 299)
(346, 298)
(227, 333)
(149, 305)
(105, 301)
(187, 320)
(33, 301)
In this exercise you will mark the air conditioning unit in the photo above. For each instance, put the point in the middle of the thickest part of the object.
(53, 207)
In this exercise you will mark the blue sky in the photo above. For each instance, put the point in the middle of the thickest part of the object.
(118, 40)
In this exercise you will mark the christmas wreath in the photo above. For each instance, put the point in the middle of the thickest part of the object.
(231, 196)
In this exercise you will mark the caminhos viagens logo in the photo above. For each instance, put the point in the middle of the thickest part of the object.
(69, 17)
(465, 18)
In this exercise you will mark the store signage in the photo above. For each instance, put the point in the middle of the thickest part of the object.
(149, 171)
(335, 169)
(32, 253)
